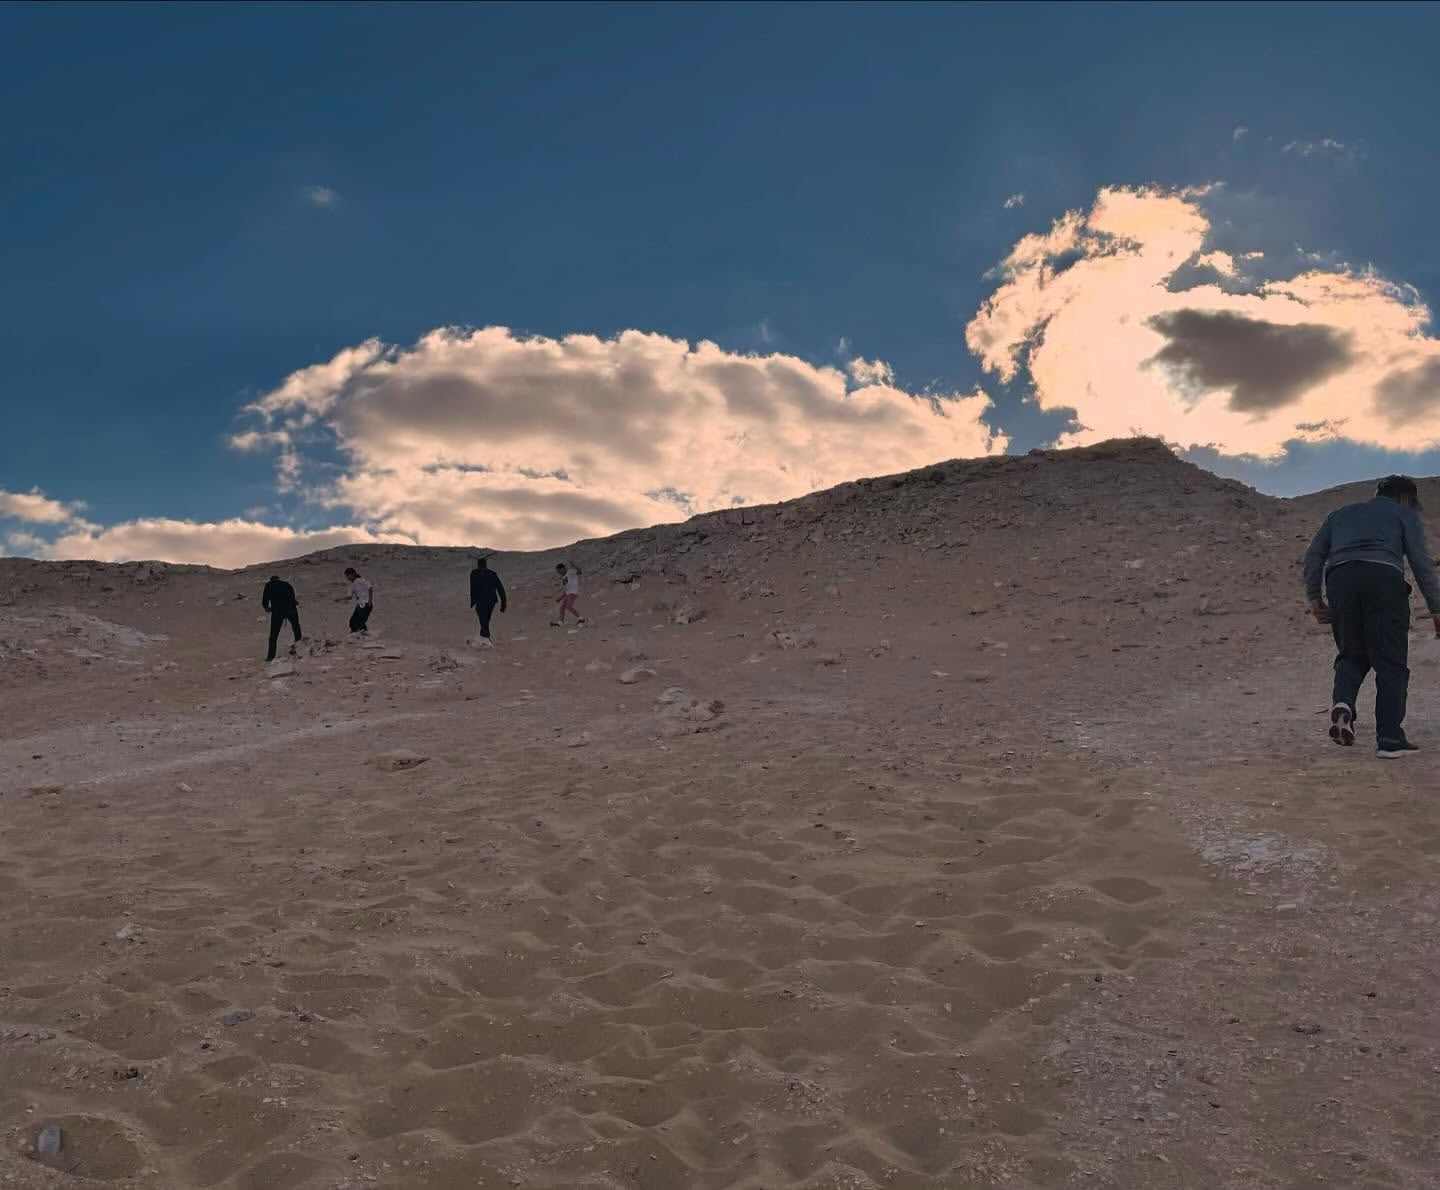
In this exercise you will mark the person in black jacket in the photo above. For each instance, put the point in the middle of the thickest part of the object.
(279, 600)
(486, 590)
(1359, 556)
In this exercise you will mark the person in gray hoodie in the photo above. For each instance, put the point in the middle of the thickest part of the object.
(1359, 557)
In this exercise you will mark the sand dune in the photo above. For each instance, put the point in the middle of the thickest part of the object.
(970, 828)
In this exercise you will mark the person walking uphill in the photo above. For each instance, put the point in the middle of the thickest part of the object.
(278, 598)
(486, 590)
(1359, 555)
(364, 592)
(569, 593)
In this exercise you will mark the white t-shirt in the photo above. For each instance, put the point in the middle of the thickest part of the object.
(572, 582)
(361, 589)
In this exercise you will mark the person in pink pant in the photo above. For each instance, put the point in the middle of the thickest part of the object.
(569, 593)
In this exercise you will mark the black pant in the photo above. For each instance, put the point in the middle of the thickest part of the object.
(1370, 616)
(485, 611)
(279, 617)
(360, 617)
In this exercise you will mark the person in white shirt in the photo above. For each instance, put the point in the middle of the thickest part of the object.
(364, 592)
(569, 593)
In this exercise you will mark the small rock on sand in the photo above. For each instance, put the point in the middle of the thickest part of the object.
(637, 673)
(397, 761)
(279, 669)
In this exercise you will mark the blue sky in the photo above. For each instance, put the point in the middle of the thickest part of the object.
(198, 201)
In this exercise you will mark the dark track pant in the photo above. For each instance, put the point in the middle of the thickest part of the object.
(278, 620)
(484, 611)
(359, 618)
(1370, 617)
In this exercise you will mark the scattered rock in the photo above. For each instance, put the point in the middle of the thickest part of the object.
(578, 741)
(237, 1017)
(830, 658)
(184, 788)
(597, 666)
(797, 639)
(129, 933)
(687, 713)
(634, 674)
(1307, 1028)
(687, 613)
(397, 761)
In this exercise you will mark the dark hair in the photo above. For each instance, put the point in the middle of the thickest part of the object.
(1399, 487)
(352, 570)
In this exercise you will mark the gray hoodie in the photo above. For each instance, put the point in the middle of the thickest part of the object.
(1379, 530)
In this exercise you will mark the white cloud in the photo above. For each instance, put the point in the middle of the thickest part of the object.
(1239, 133)
(485, 437)
(870, 371)
(320, 196)
(1222, 262)
(1093, 316)
(228, 544)
(1015, 200)
(1326, 146)
(36, 508)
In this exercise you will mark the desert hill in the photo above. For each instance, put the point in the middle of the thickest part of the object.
(973, 827)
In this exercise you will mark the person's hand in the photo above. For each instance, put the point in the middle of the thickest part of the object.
(1322, 613)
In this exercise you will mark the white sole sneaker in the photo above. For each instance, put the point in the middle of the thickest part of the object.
(1342, 725)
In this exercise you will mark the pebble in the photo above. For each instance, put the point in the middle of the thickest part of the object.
(238, 1017)
(397, 761)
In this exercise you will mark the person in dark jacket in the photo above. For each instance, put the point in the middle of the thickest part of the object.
(278, 598)
(486, 590)
(1359, 556)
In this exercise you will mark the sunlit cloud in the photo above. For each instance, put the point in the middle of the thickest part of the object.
(1108, 315)
(488, 437)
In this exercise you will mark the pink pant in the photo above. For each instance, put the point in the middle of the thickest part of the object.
(567, 604)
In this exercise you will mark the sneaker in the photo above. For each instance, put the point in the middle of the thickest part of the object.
(1342, 725)
(1394, 749)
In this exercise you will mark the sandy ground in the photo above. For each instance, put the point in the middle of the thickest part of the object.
(974, 828)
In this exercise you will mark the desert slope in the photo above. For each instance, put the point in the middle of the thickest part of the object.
(965, 828)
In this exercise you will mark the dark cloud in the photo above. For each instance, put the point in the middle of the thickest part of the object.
(619, 409)
(1264, 365)
(1410, 394)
